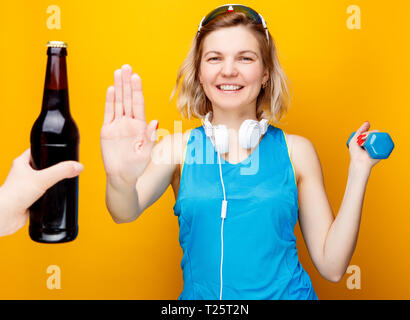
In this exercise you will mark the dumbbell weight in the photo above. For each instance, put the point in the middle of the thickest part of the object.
(379, 145)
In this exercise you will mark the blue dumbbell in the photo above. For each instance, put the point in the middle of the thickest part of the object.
(379, 145)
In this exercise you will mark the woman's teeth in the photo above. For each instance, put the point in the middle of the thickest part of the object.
(229, 88)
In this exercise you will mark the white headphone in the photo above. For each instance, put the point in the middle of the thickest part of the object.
(249, 133)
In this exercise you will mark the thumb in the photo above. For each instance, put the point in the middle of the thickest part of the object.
(152, 131)
(364, 127)
(63, 170)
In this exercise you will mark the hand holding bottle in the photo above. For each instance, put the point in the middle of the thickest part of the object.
(24, 185)
(126, 139)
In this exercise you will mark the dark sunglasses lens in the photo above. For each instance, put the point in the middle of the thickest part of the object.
(251, 14)
(213, 14)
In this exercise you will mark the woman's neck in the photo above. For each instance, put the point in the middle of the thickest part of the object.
(232, 119)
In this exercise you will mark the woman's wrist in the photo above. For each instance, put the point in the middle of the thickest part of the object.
(359, 170)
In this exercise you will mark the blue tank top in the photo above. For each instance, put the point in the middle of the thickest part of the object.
(260, 259)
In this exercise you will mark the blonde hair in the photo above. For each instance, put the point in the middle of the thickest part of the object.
(272, 102)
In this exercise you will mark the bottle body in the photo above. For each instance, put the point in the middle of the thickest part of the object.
(55, 138)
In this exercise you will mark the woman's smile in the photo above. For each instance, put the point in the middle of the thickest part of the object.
(230, 92)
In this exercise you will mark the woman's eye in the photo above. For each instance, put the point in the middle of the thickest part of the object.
(248, 59)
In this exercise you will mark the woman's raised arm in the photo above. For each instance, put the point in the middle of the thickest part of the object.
(126, 143)
(331, 242)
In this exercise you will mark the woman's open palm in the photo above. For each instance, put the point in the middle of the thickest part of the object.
(126, 139)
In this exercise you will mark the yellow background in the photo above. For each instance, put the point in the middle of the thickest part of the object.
(340, 79)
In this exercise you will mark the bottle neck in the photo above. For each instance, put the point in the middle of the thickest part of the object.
(56, 74)
(56, 85)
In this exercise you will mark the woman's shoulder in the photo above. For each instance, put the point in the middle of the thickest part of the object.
(297, 141)
(301, 152)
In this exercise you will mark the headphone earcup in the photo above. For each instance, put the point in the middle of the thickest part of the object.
(221, 137)
(218, 135)
(251, 131)
(249, 134)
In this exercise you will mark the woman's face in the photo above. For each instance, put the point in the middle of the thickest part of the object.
(231, 56)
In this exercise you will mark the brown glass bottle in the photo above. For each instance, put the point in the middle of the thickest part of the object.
(55, 138)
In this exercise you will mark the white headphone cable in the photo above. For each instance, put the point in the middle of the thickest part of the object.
(223, 215)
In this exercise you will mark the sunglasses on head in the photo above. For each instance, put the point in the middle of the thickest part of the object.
(227, 8)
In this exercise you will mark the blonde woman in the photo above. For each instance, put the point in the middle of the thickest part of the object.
(236, 225)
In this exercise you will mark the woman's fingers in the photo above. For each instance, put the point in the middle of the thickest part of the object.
(126, 97)
(364, 135)
(361, 131)
(126, 82)
(138, 105)
(109, 105)
(363, 128)
(118, 94)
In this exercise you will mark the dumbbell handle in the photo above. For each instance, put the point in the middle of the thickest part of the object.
(379, 145)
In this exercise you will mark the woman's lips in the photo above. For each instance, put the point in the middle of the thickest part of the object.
(229, 91)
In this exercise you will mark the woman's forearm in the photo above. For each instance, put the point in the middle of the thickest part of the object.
(122, 202)
(342, 235)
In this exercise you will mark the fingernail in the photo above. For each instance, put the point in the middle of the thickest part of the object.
(157, 125)
(78, 167)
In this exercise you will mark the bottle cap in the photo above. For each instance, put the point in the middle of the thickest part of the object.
(56, 44)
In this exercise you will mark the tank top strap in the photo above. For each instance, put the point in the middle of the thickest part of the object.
(188, 132)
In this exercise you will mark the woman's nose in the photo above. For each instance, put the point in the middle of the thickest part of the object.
(229, 68)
